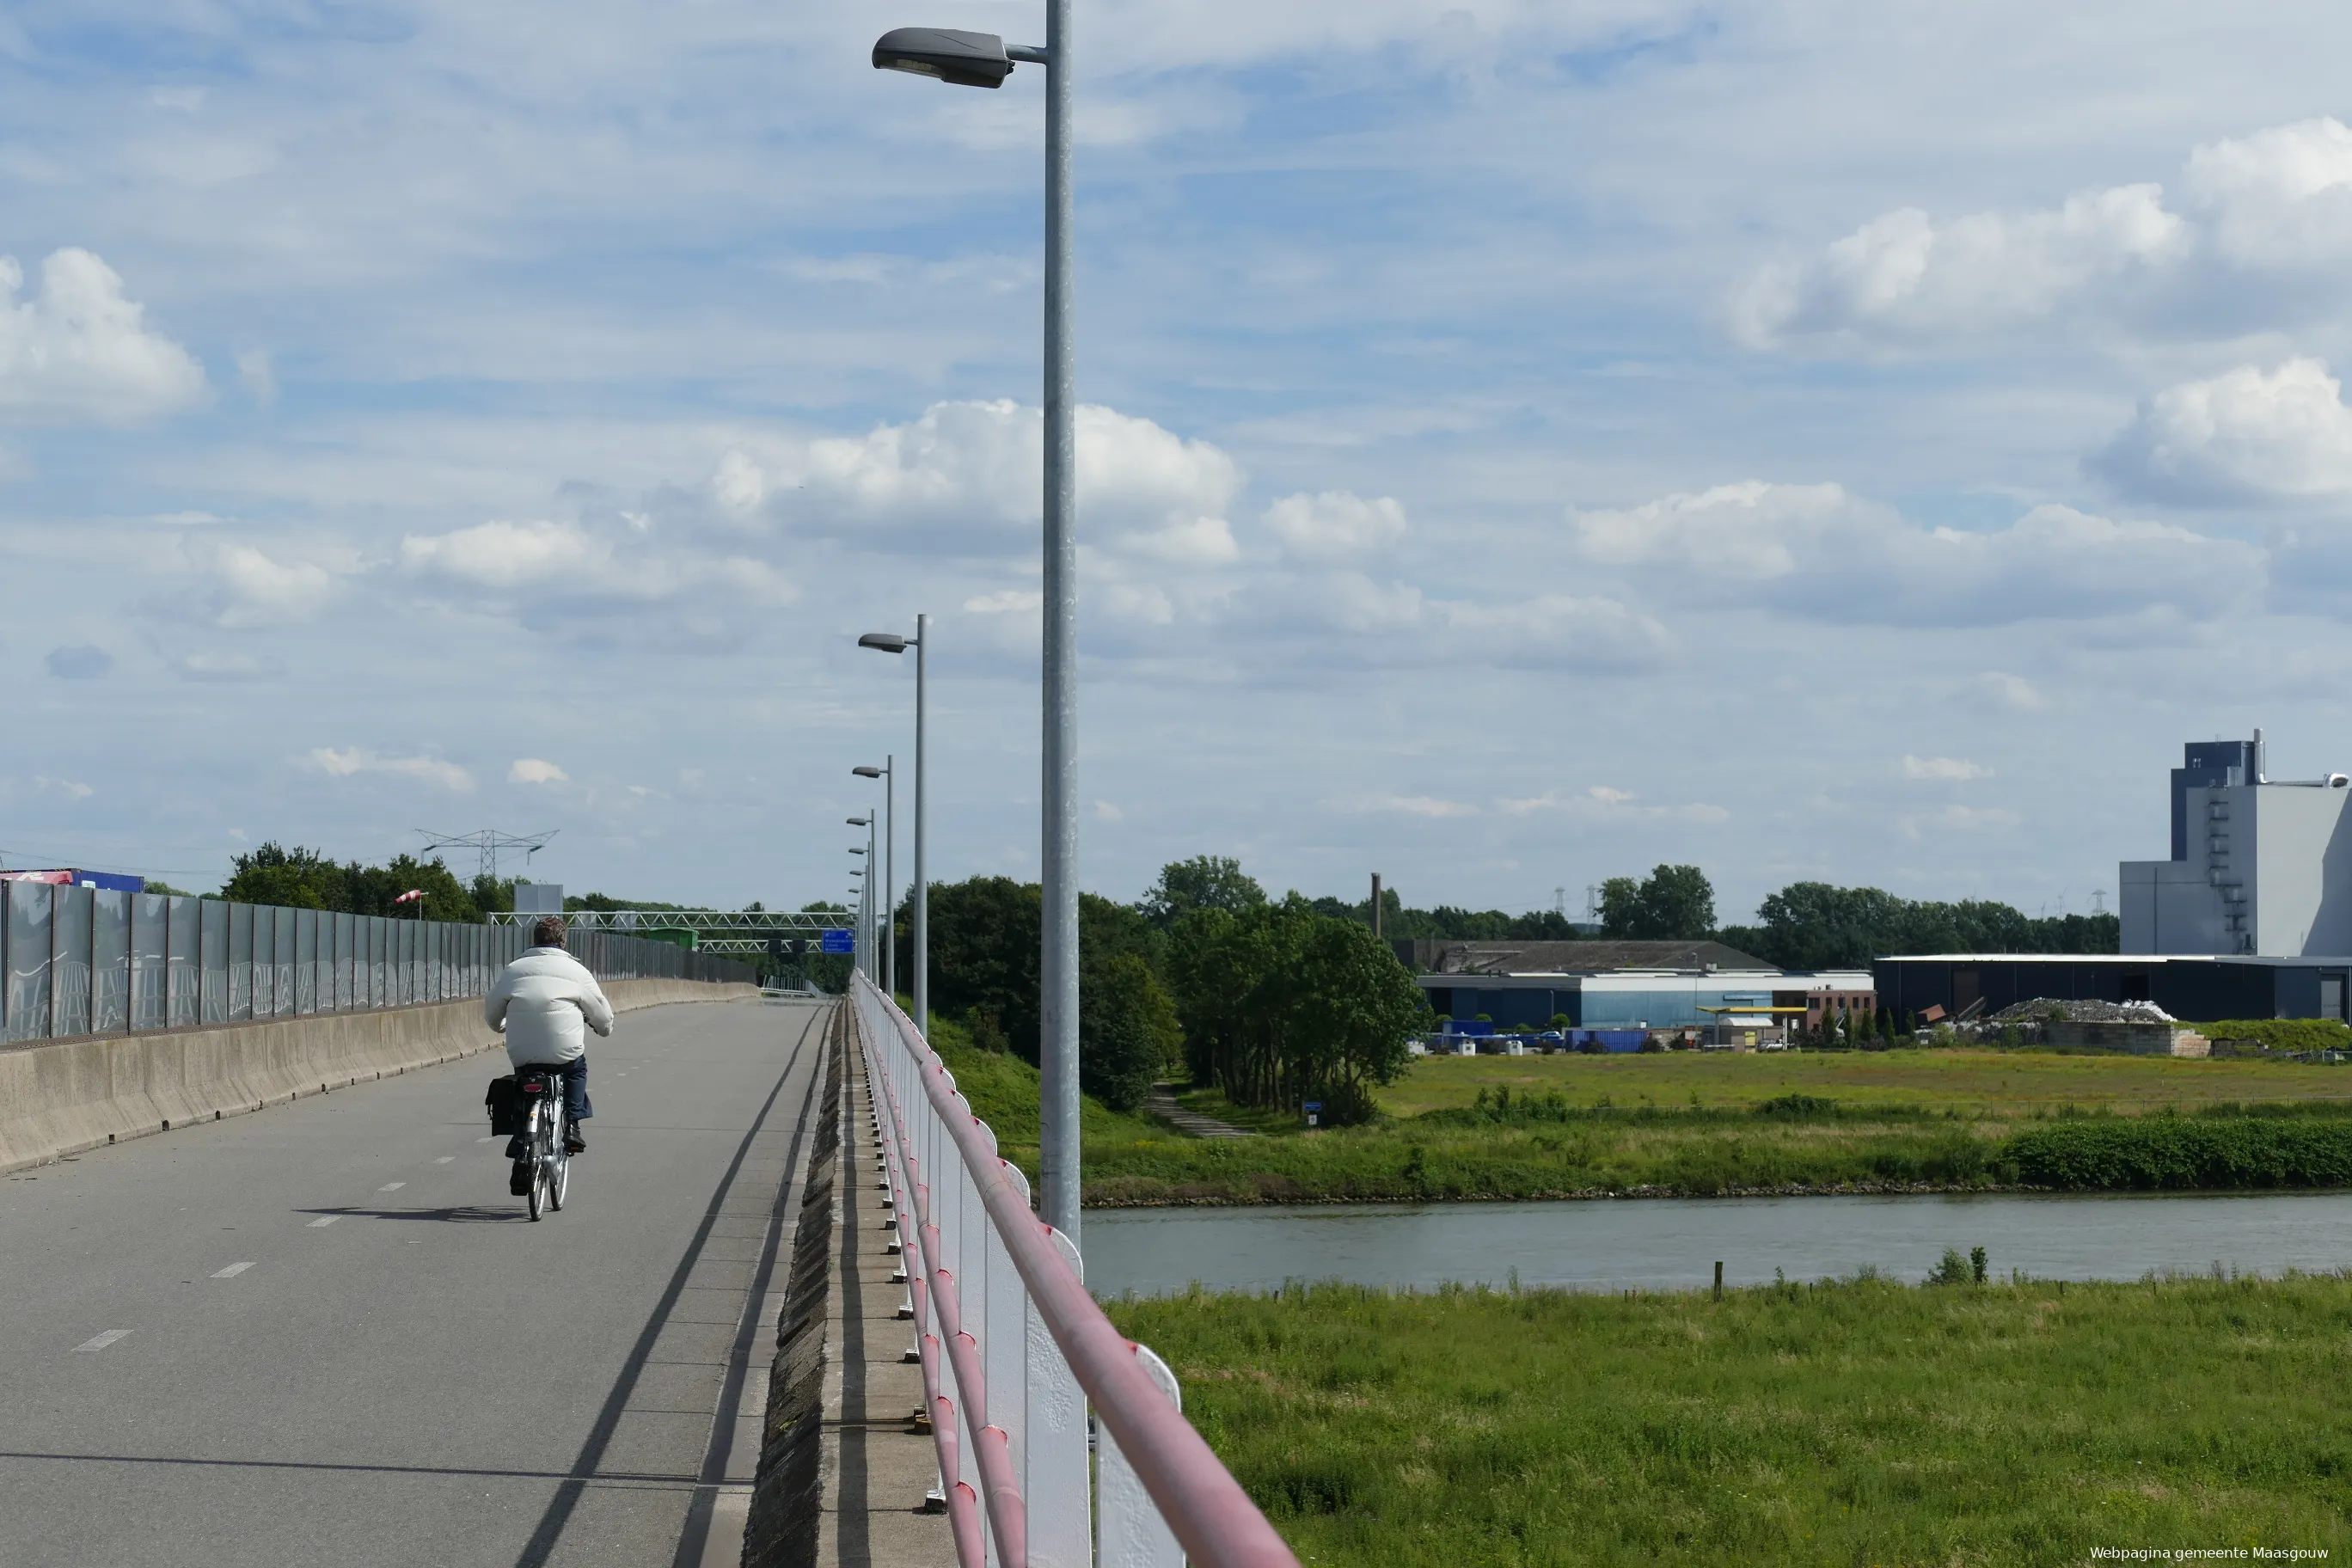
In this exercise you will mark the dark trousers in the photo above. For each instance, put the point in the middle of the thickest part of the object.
(575, 1074)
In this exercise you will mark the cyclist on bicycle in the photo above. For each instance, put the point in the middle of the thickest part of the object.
(544, 1003)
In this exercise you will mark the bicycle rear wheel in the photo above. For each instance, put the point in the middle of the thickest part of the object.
(539, 1160)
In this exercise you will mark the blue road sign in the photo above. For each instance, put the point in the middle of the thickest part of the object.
(840, 941)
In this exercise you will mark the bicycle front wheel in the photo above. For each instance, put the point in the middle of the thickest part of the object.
(559, 1173)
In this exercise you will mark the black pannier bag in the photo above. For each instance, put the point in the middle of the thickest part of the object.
(505, 1100)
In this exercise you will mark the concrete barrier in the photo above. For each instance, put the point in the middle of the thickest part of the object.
(60, 1097)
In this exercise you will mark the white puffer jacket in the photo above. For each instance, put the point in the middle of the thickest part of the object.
(541, 1002)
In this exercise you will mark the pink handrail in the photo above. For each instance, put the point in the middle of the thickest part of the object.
(962, 1502)
(1210, 1514)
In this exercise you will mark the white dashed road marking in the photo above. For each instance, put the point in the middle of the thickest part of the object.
(491, 1139)
(444, 1159)
(392, 1186)
(324, 1220)
(232, 1271)
(100, 1342)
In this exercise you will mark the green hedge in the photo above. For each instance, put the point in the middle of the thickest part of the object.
(2170, 1153)
(2283, 1033)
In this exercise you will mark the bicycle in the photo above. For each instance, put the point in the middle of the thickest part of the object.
(549, 1162)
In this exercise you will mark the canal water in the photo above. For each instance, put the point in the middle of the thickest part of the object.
(1674, 1243)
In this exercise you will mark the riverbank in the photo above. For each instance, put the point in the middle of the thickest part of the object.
(1903, 1134)
(1860, 1421)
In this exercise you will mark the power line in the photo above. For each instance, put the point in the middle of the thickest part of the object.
(489, 841)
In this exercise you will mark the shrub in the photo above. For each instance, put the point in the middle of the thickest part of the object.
(1796, 1106)
(1953, 1270)
(2283, 1033)
(2150, 1154)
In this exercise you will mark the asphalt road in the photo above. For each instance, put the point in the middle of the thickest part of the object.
(324, 1333)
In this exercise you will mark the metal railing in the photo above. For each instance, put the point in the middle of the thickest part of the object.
(96, 961)
(1013, 1350)
(805, 923)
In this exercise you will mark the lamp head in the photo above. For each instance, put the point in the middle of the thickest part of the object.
(867, 773)
(887, 642)
(858, 822)
(966, 59)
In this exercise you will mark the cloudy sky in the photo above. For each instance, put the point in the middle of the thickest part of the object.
(1524, 441)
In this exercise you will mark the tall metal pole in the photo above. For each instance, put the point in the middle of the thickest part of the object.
(922, 888)
(872, 898)
(890, 875)
(1058, 967)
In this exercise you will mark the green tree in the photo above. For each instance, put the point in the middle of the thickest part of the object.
(1202, 882)
(295, 879)
(371, 890)
(985, 935)
(1814, 925)
(1281, 1005)
(303, 878)
(1673, 902)
(1127, 1032)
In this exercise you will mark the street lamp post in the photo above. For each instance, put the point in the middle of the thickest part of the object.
(981, 59)
(889, 642)
(889, 774)
(865, 889)
(866, 911)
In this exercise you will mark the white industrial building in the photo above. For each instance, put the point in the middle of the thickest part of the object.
(2259, 866)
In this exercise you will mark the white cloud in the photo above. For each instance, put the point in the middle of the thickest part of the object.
(1107, 812)
(533, 770)
(1945, 768)
(80, 349)
(2003, 689)
(227, 666)
(670, 578)
(1752, 530)
(2247, 434)
(1147, 40)
(354, 760)
(1546, 631)
(1335, 526)
(501, 554)
(1008, 602)
(1410, 805)
(1961, 819)
(1901, 274)
(1201, 542)
(966, 479)
(1817, 550)
(2255, 210)
(252, 589)
(1604, 802)
(70, 788)
(2281, 197)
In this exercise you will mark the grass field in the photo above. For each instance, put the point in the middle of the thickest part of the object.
(1987, 1084)
(1853, 1422)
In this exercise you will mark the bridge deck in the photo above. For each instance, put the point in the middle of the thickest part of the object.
(405, 1369)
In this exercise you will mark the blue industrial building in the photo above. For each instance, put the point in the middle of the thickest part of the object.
(1638, 999)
